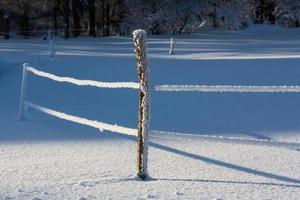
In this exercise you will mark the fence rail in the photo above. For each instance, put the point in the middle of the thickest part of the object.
(227, 88)
(93, 123)
(79, 82)
(80, 120)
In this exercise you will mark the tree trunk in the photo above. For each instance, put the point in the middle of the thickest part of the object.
(24, 21)
(215, 23)
(102, 20)
(55, 15)
(6, 27)
(76, 17)
(92, 18)
(4, 24)
(24, 24)
(107, 19)
(66, 13)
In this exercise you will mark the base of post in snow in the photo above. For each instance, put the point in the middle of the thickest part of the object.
(139, 37)
(145, 178)
(142, 176)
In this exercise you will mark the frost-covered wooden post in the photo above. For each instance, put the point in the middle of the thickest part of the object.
(23, 91)
(139, 37)
(172, 43)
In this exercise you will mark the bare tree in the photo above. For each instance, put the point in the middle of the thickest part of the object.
(66, 14)
(56, 12)
(92, 17)
(76, 8)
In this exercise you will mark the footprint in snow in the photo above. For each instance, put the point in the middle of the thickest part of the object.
(86, 198)
(178, 193)
(88, 183)
(150, 196)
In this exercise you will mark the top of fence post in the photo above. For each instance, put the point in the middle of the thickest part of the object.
(172, 43)
(139, 37)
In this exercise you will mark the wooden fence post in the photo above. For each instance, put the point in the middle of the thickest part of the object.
(172, 43)
(23, 91)
(139, 37)
(51, 45)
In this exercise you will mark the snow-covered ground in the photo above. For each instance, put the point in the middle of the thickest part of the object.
(222, 145)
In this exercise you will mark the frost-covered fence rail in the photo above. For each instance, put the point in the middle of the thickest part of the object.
(223, 89)
(227, 88)
(96, 124)
(83, 121)
(75, 81)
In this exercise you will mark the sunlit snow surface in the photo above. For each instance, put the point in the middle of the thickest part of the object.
(203, 145)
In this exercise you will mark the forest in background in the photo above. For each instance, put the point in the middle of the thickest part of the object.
(72, 18)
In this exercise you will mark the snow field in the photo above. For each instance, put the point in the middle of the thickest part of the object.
(252, 146)
(104, 169)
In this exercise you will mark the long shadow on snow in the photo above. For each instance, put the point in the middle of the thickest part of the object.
(230, 182)
(222, 164)
(296, 182)
(225, 164)
(258, 136)
(117, 180)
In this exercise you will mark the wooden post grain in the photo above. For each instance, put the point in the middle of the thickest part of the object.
(139, 37)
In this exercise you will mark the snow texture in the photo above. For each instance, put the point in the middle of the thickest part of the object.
(99, 84)
(226, 88)
(93, 123)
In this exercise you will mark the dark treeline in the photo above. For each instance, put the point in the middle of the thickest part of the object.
(73, 18)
